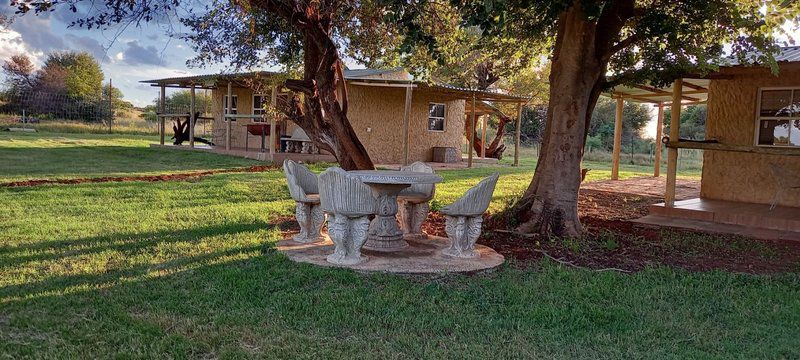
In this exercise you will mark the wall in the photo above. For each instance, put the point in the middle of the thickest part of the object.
(379, 109)
(731, 120)
(238, 131)
(376, 114)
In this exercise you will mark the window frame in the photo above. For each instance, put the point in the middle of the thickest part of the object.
(759, 118)
(234, 109)
(443, 117)
(261, 109)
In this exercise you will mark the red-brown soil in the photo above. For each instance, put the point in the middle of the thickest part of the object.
(150, 178)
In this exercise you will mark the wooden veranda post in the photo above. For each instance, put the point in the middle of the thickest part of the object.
(474, 121)
(191, 117)
(517, 134)
(483, 136)
(161, 111)
(273, 101)
(659, 135)
(617, 138)
(226, 120)
(406, 121)
(110, 106)
(674, 135)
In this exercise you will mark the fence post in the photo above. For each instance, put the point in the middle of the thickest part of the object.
(110, 106)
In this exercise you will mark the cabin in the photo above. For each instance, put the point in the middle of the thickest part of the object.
(751, 153)
(398, 119)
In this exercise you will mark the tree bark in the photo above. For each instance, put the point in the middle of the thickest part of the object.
(323, 115)
(549, 205)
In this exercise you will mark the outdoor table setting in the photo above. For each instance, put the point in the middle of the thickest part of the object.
(384, 234)
(361, 208)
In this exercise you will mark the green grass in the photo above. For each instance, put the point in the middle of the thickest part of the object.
(187, 270)
(62, 156)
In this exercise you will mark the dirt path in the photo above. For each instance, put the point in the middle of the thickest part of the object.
(149, 178)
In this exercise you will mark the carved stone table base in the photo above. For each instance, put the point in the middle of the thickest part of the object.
(384, 234)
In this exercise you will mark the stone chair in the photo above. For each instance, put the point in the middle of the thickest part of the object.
(349, 202)
(413, 204)
(305, 192)
(464, 217)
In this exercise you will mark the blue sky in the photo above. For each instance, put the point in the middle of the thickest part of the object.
(128, 57)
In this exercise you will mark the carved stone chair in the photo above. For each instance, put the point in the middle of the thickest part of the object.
(349, 202)
(305, 192)
(464, 217)
(413, 204)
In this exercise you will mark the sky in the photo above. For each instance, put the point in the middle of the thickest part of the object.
(128, 57)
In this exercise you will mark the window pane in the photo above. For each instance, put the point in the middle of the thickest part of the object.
(436, 110)
(794, 138)
(774, 132)
(776, 103)
(258, 102)
(436, 124)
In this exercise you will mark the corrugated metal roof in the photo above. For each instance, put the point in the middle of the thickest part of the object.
(785, 54)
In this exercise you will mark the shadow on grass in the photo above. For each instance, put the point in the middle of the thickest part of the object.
(125, 242)
(101, 160)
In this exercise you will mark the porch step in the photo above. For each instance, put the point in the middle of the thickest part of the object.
(751, 215)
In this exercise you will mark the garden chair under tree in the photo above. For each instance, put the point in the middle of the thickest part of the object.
(349, 202)
(413, 204)
(464, 218)
(305, 192)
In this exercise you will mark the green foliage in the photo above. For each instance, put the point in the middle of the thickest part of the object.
(634, 119)
(83, 76)
(693, 122)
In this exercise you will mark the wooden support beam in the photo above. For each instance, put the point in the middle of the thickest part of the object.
(273, 127)
(672, 153)
(406, 125)
(227, 121)
(659, 135)
(664, 92)
(782, 151)
(161, 109)
(517, 134)
(191, 116)
(483, 136)
(617, 139)
(471, 146)
(693, 86)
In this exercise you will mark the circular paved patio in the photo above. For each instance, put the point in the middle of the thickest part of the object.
(421, 257)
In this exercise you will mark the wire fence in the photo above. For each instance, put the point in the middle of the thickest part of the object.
(37, 106)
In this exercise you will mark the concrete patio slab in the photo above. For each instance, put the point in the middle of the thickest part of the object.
(421, 257)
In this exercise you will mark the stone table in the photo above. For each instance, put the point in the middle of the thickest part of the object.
(384, 234)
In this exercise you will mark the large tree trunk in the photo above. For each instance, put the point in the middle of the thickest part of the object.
(549, 205)
(324, 114)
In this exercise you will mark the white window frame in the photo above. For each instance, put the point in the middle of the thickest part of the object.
(234, 109)
(759, 118)
(258, 111)
(444, 118)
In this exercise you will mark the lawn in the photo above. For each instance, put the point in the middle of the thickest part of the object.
(186, 269)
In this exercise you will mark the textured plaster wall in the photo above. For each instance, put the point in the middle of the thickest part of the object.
(376, 114)
(379, 109)
(238, 132)
(731, 120)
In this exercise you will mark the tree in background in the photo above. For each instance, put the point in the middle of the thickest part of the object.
(179, 102)
(82, 77)
(693, 122)
(634, 119)
(20, 73)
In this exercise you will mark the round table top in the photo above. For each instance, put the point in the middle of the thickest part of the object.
(396, 177)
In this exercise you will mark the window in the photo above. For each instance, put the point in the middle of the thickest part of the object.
(436, 117)
(778, 118)
(234, 105)
(259, 100)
